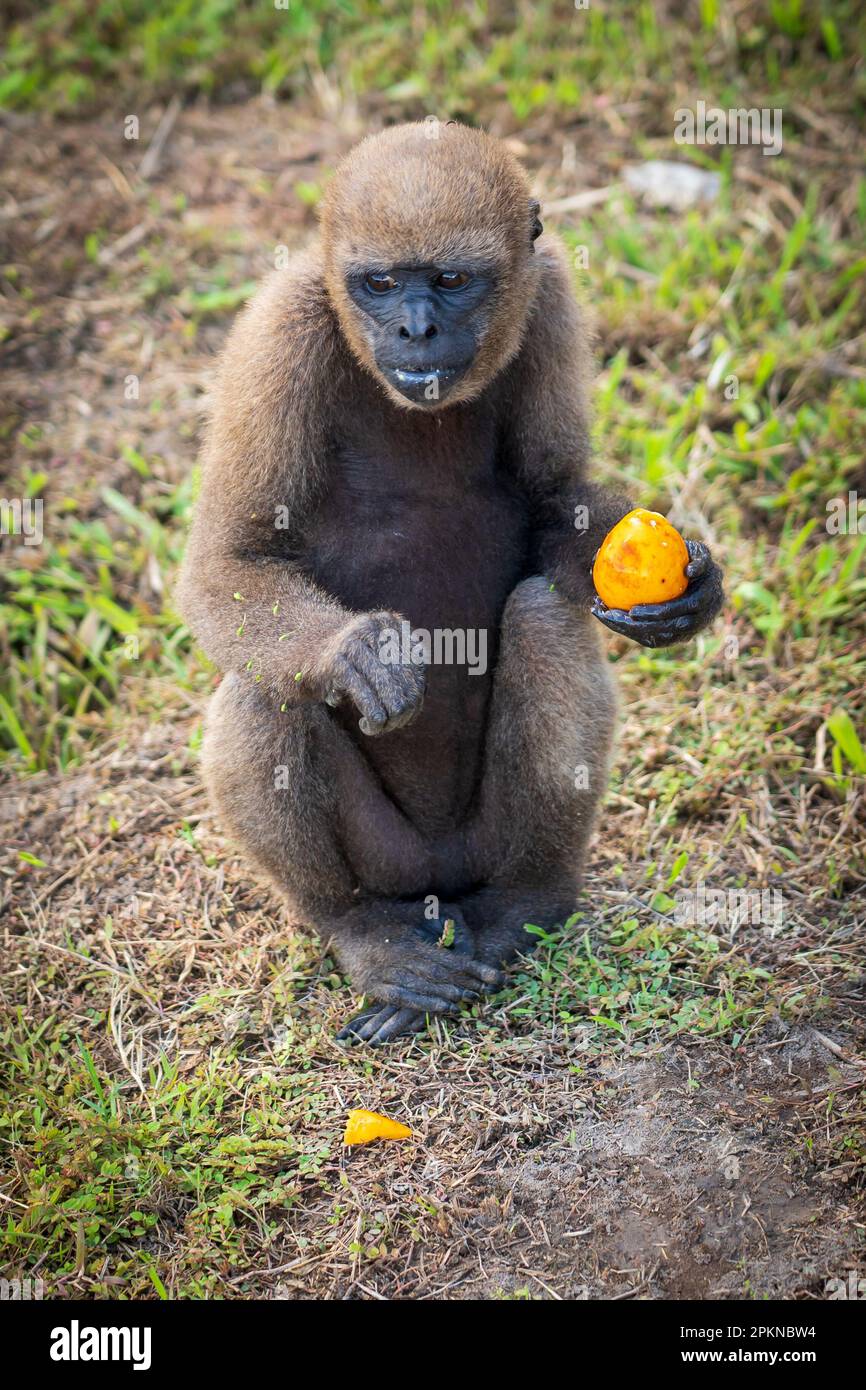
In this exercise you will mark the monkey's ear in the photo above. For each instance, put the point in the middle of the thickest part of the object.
(535, 223)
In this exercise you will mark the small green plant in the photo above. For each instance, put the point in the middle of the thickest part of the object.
(641, 982)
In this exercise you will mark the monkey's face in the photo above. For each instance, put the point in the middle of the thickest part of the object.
(429, 264)
(423, 325)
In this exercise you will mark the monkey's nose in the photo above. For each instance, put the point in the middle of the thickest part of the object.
(415, 332)
(418, 321)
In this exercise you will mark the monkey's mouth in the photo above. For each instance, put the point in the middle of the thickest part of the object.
(428, 385)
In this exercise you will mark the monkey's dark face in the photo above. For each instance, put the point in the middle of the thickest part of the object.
(423, 324)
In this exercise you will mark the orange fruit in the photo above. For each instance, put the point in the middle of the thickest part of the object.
(642, 560)
(364, 1125)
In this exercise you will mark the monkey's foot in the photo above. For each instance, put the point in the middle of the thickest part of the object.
(415, 975)
(431, 971)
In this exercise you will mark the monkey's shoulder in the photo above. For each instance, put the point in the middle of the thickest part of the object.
(556, 314)
(284, 355)
(289, 312)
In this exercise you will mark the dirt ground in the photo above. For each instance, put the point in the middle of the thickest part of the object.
(541, 1168)
(685, 1185)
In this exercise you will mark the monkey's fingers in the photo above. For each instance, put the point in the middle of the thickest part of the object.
(355, 1029)
(399, 689)
(449, 967)
(648, 633)
(704, 596)
(350, 681)
(432, 996)
(488, 975)
(405, 986)
(417, 993)
(699, 559)
(694, 600)
(664, 630)
(401, 1022)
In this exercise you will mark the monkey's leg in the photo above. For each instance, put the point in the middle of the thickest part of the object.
(294, 790)
(546, 769)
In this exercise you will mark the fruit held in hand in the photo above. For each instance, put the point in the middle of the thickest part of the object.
(364, 1125)
(642, 560)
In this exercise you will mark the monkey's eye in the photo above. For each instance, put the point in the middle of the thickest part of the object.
(452, 279)
(379, 284)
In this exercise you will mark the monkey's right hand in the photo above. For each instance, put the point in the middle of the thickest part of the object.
(362, 662)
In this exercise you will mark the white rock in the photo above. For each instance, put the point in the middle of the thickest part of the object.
(664, 184)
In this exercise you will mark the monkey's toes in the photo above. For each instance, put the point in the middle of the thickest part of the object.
(380, 1025)
(429, 995)
(489, 977)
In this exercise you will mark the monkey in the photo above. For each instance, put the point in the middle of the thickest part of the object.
(399, 442)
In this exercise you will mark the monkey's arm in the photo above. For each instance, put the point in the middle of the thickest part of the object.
(251, 611)
(570, 526)
(547, 436)
(549, 449)
(241, 587)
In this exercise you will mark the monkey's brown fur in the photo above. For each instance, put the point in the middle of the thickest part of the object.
(456, 517)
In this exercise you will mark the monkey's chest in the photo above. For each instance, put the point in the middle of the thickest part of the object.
(443, 548)
(439, 539)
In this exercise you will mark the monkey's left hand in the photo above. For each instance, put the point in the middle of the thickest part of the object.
(678, 619)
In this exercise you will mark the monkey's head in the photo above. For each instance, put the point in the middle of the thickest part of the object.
(428, 233)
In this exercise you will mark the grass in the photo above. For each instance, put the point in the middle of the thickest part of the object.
(173, 1095)
(656, 980)
(107, 1170)
(74, 628)
(176, 1175)
(448, 56)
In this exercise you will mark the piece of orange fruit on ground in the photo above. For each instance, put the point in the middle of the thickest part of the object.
(364, 1125)
(642, 560)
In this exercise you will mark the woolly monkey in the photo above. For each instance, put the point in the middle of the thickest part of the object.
(394, 478)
